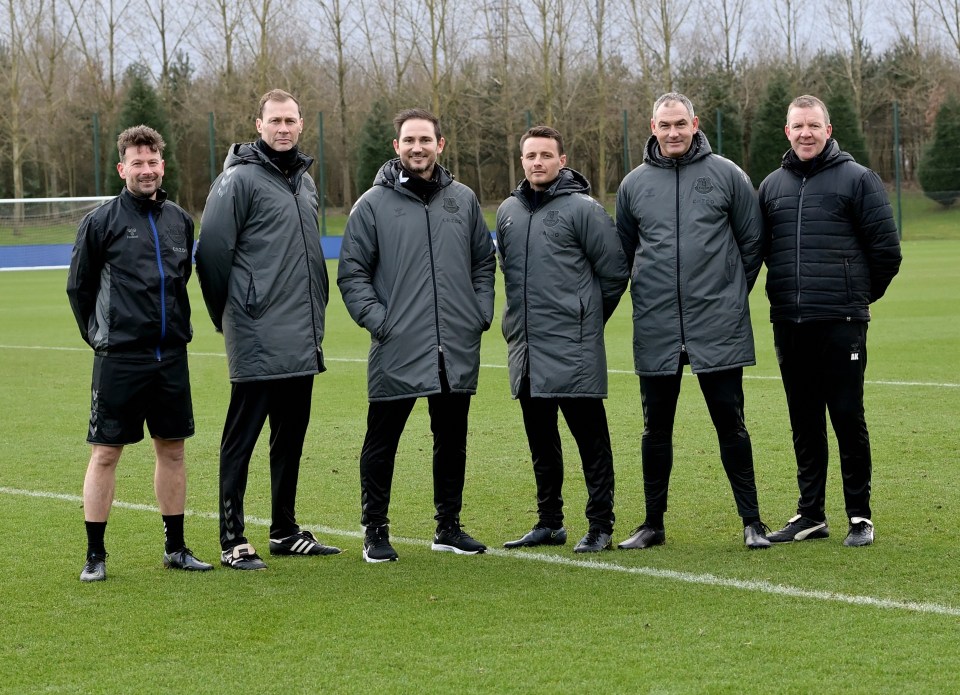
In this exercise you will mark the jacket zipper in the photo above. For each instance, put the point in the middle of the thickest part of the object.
(163, 283)
(433, 277)
(683, 340)
(526, 265)
(294, 189)
(803, 182)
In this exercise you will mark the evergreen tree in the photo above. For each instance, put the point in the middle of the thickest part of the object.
(939, 173)
(375, 144)
(142, 106)
(767, 140)
(846, 127)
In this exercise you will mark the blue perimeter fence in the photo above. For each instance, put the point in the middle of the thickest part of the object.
(49, 256)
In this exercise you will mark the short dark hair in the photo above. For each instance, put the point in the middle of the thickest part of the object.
(808, 101)
(140, 135)
(276, 95)
(416, 114)
(543, 131)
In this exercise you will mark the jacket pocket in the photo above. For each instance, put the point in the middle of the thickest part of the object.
(847, 280)
(250, 303)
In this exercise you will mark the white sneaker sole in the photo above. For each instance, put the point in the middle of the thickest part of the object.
(453, 549)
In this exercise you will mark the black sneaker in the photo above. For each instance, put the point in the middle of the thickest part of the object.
(644, 536)
(95, 570)
(242, 557)
(594, 542)
(301, 543)
(539, 535)
(861, 532)
(800, 528)
(453, 539)
(376, 545)
(755, 536)
(184, 559)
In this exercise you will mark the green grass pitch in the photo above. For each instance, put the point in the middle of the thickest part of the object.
(700, 614)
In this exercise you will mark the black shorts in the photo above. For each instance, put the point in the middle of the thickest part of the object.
(128, 390)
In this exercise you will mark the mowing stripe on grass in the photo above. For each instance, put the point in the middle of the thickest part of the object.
(532, 556)
(363, 360)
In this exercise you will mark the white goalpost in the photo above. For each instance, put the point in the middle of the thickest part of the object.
(38, 233)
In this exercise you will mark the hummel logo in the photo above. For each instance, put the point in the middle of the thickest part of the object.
(131, 233)
(402, 178)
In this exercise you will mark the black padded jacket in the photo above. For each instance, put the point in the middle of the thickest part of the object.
(832, 247)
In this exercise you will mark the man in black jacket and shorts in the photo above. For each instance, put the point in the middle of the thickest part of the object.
(127, 288)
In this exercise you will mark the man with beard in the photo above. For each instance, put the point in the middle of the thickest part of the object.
(417, 271)
(128, 290)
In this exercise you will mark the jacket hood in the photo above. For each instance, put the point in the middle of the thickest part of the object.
(389, 174)
(831, 156)
(247, 153)
(567, 182)
(699, 148)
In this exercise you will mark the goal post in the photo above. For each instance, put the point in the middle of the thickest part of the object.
(39, 232)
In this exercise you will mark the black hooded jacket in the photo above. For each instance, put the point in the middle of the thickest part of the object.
(832, 244)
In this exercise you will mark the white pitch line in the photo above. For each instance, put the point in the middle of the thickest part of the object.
(363, 360)
(532, 556)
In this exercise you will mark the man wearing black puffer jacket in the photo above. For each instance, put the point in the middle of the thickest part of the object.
(833, 250)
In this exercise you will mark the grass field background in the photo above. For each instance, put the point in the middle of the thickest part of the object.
(700, 614)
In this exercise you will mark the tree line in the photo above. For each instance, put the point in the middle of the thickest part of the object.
(488, 68)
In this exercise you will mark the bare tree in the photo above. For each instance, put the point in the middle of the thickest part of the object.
(849, 17)
(597, 14)
(498, 17)
(173, 23)
(948, 12)
(730, 17)
(13, 84)
(334, 12)
(390, 33)
(664, 19)
(786, 16)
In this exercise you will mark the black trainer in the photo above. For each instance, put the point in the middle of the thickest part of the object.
(242, 557)
(376, 545)
(95, 569)
(755, 536)
(184, 559)
(860, 534)
(594, 542)
(800, 528)
(301, 543)
(451, 538)
(539, 535)
(644, 536)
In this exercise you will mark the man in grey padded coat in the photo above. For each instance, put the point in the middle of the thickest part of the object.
(417, 271)
(690, 225)
(564, 272)
(264, 281)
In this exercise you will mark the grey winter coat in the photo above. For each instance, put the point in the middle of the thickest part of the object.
(261, 268)
(693, 230)
(420, 278)
(564, 272)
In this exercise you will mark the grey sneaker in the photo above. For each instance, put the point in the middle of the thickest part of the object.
(755, 536)
(95, 569)
(184, 559)
(800, 528)
(860, 534)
